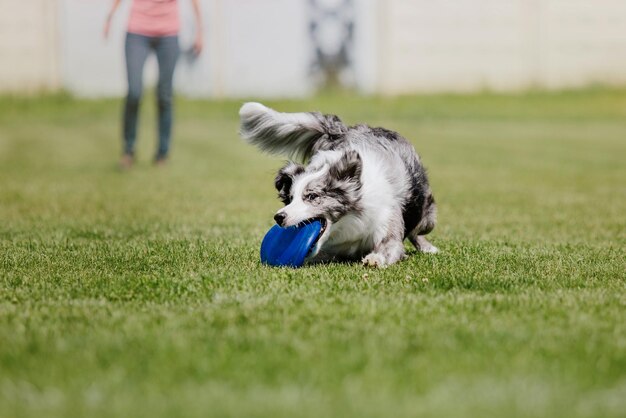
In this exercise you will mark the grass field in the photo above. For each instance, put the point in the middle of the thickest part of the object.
(141, 293)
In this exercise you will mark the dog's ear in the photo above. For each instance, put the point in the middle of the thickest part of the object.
(284, 180)
(348, 167)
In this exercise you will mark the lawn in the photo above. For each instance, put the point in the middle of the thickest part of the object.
(141, 293)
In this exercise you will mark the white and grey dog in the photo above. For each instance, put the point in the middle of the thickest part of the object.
(366, 185)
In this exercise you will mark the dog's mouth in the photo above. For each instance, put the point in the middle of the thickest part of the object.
(314, 248)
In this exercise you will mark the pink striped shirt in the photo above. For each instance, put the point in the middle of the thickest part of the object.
(154, 17)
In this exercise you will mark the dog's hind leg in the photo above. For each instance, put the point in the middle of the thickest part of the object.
(425, 225)
(421, 244)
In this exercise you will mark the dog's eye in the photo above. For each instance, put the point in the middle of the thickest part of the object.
(311, 196)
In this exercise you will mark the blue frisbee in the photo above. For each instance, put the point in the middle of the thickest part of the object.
(290, 246)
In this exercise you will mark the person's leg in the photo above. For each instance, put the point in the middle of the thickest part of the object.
(136, 49)
(167, 51)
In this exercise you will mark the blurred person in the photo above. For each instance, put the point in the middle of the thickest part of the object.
(153, 26)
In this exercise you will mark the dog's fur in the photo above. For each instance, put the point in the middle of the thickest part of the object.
(366, 184)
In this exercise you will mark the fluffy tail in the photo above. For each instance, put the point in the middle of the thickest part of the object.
(294, 135)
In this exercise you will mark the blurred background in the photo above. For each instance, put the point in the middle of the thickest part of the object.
(291, 48)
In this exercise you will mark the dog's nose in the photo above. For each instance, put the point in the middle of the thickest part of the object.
(280, 218)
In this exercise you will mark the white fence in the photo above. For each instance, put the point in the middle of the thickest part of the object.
(264, 48)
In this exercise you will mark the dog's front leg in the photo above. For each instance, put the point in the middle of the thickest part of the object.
(386, 253)
(387, 250)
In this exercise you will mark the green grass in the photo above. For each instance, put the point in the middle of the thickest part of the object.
(141, 293)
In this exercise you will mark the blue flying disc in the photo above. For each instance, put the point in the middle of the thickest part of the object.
(290, 246)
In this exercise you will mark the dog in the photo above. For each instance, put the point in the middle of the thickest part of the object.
(366, 185)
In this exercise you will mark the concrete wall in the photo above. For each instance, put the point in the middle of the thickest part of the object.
(468, 45)
(581, 42)
(252, 48)
(262, 48)
(29, 53)
(91, 64)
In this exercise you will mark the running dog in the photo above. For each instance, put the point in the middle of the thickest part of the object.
(366, 185)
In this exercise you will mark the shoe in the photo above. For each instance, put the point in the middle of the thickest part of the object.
(126, 162)
(160, 161)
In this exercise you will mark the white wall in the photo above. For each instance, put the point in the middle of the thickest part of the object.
(261, 48)
(252, 48)
(468, 45)
(582, 42)
(91, 64)
(367, 45)
(29, 59)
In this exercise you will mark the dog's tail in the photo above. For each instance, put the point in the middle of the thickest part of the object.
(294, 135)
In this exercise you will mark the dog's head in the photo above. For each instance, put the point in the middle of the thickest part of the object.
(327, 189)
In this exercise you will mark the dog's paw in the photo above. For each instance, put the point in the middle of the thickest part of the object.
(429, 249)
(374, 260)
(425, 246)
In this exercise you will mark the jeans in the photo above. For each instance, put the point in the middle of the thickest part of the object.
(137, 49)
